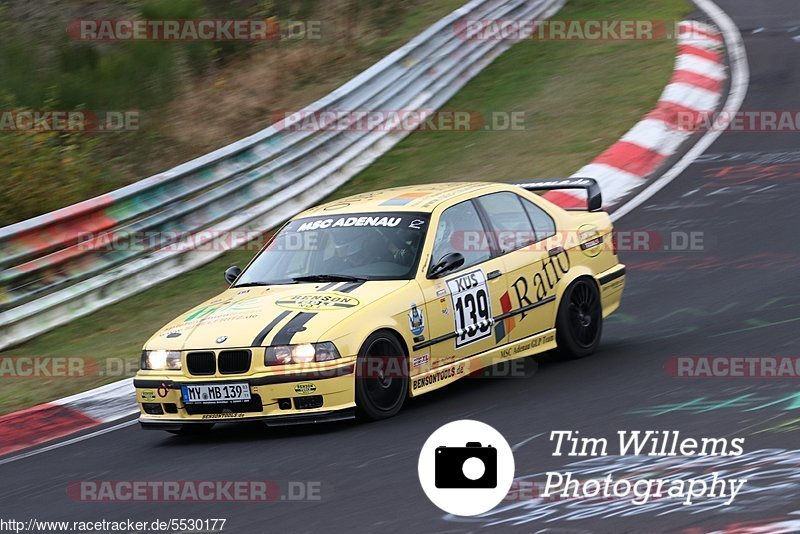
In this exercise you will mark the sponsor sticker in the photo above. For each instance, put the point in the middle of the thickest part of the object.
(420, 361)
(225, 415)
(320, 301)
(148, 395)
(416, 320)
(590, 240)
(444, 374)
(514, 350)
(305, 388)
(346, 222)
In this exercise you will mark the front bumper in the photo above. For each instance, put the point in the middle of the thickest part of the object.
(276, 399)
(347, 414)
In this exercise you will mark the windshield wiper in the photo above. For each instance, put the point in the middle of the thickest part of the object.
(328, 278)
(253, 284)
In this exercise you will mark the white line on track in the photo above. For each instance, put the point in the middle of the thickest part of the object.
(740, 76)
(740, 80)
(68, 442)
(526, 440)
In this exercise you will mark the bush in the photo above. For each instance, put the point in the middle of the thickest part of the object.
(44, 172)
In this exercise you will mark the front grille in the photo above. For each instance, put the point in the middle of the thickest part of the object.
(253, 405)
(233, 362)
(201, 363)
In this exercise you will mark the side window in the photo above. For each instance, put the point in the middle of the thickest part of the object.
(508, 218)
(543, 224)
(460, 230)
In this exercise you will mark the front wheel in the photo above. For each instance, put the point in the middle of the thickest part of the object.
(381, 378)
(579, 323)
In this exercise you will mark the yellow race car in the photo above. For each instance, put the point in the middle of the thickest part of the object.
(357, 304)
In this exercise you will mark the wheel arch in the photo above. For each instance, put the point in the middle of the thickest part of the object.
(573, 275)
(392, 332)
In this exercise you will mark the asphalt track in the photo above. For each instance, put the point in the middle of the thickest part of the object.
(739, 296)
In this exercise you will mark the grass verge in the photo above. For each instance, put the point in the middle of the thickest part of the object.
(578, 98)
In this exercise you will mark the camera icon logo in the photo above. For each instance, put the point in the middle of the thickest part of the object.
(466, 467)
(472, 466)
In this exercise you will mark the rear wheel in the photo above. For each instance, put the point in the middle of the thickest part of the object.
(579, 324)
(381, 377)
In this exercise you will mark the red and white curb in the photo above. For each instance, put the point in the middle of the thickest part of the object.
(695, 90)
(63, 417)
(696, 86)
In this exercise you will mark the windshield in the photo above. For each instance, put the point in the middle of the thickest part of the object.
(360, 246)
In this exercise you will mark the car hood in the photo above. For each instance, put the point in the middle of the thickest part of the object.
(270, 315)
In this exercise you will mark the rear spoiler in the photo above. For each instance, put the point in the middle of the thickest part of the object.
(595, 198)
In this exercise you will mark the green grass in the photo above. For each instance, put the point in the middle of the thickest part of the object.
(578, 98)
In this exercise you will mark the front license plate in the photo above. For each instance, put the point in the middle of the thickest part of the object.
(215, 393)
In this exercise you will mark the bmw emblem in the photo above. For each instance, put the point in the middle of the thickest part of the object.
(222, 339)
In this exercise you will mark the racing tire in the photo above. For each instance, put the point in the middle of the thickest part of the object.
(381, 377)
(579, 322)
(194, 429)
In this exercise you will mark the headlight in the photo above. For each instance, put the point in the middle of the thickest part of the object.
(161, 360)
(306, 353)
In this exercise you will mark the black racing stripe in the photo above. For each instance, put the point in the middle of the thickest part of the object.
(263, 334)
(434, 341)
(350, 287)
(327, 286)
(295, 324)
(613, 276)
(523, 309)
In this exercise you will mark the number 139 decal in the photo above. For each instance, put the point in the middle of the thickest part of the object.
(472, 307)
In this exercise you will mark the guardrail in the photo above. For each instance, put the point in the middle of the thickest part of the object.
(52, 274)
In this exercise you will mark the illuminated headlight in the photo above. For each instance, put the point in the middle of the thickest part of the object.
(161, 360)
(306, 353)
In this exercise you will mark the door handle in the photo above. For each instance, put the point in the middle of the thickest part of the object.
(555, 251)
(494, 274)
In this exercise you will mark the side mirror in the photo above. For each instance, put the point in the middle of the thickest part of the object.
(232, 273)
(448, 263)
